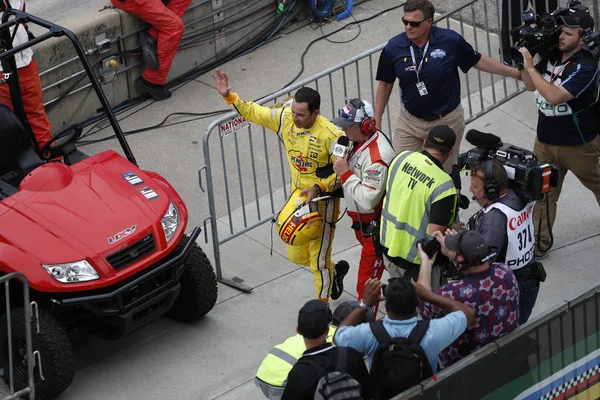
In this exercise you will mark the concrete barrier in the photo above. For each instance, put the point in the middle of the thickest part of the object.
(236, 21)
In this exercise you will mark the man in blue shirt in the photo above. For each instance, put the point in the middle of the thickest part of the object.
(566, 88)
(425, 59)
(401, 302)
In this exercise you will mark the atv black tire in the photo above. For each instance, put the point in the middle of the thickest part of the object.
(198, 282)
(58, 358)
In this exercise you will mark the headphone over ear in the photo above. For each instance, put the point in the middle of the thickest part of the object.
(367, 123)
(491, 186)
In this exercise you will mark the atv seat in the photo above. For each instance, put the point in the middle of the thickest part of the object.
(17, 154)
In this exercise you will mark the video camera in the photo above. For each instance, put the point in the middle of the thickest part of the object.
(526, 176)
(539, 33)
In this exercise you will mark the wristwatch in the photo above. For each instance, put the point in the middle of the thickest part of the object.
(363, 305)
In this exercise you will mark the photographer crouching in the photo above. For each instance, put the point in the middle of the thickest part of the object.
(566, 91)
(506, 223)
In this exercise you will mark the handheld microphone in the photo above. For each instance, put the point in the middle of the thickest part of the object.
(481, 139)
(342, 147)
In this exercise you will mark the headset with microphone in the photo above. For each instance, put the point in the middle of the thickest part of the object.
(491, 186)
(368, 126)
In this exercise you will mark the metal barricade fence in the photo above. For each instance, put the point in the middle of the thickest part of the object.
(557, 355)
(30, 356)
(251, 168)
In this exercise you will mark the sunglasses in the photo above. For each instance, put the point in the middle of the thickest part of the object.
(414, 24)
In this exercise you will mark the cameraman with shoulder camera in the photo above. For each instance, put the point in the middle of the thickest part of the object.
(566, 88)
(506, 223)
(420, 200)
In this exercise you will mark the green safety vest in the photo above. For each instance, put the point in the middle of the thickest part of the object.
(414, 183)
(277, 364)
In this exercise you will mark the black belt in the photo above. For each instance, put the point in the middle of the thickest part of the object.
(439, 116)
(442, 115)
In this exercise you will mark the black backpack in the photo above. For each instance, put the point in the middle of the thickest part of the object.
(399, 363)
(338, 385)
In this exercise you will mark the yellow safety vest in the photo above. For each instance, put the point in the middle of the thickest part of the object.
(277, 364)
(414, 183)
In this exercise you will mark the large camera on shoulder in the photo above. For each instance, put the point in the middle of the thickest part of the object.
(540, 32)
(530, 179)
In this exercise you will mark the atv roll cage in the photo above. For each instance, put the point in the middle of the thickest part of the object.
(11, 77)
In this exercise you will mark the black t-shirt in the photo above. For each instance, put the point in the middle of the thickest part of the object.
(579, 76)
(303, 378)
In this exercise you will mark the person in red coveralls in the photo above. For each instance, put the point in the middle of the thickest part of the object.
(164, 36)
(29, 79)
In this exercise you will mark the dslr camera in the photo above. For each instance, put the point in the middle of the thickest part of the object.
(430, 245)
(539, 33)
(529, 178)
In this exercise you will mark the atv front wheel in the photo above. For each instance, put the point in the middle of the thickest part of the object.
(198, 282)
(58, 358)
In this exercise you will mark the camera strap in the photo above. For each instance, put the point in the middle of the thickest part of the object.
(553, 76)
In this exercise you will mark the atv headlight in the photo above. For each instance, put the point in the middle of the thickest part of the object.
(78, 271)
(170, 221)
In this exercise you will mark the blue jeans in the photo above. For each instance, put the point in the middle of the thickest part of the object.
(529, 287)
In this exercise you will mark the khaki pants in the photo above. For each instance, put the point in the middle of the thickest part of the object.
(412, 131)
(583, 161)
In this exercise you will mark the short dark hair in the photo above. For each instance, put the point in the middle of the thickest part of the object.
(309, 96)
(401, 296)
(425, 6)
(438, 148)
(498, 173)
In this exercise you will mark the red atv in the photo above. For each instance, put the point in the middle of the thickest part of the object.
(100, 241)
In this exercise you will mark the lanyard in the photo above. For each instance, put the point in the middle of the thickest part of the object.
(362, 147)
(412, 55)
(553, 76)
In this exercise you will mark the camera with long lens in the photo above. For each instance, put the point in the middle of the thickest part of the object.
(540, 32)
(592, 44)
(430, 245)
(530, 179)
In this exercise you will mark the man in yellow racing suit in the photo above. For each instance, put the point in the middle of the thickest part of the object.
(307, 137)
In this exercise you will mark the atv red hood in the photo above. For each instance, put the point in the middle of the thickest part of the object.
(93, 208)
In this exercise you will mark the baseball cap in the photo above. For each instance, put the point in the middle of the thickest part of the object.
(353, 112)
(471, 245)
(578, 17)
(344, 309)
(313, 319)
(443, 136)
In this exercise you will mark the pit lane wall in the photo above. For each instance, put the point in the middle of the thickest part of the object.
(555, 356)
(220, 26)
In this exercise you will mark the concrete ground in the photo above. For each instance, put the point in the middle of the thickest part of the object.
(217, 357)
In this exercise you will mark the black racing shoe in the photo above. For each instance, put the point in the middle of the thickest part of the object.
(341, 269)
(149, 52)
(158, 92)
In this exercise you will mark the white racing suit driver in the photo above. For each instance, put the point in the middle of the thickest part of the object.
(364, 177)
